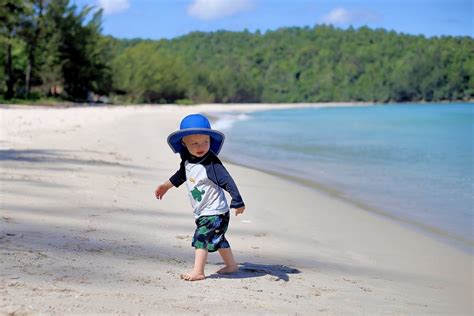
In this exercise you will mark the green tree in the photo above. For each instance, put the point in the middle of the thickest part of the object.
(150, 76)
(32, 35)
(81, 53)
(13, 15)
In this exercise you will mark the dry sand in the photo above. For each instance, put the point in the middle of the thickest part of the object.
(81, 231)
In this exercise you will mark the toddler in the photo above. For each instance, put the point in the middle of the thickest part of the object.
(205, 178)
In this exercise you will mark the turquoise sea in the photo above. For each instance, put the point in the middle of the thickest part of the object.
(412, 163)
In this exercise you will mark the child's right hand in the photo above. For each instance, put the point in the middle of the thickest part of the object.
(162, 189)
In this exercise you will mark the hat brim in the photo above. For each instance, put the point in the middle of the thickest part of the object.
(217, 139)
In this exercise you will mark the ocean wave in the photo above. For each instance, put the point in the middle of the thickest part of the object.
(225, 121)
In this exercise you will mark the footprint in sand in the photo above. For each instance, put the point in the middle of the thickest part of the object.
(365, 289)
(350, 281)
(323, 290)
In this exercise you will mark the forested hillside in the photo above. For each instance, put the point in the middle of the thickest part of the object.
(57, 49)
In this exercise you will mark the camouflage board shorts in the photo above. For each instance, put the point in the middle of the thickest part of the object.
(210, 232)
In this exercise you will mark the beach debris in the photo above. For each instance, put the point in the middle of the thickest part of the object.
(7, 219)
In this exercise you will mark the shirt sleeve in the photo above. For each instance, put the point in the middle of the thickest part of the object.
(225, 181)
(180, 176)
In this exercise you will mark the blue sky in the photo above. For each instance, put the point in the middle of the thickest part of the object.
(156, 19)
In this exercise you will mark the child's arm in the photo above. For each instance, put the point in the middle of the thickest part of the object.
(175, 181)
(225, 181)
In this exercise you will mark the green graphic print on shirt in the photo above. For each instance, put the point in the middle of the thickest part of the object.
(197, 195)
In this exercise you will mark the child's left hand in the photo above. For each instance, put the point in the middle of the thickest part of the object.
(239, 210)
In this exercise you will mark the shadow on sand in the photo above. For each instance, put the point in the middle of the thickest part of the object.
(53, 156)
(253, 270)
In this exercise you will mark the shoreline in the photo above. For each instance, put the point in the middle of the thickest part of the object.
(91, 238)
(459, 242)
(455, 241)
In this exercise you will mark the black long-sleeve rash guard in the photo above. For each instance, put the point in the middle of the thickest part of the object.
(205, 177)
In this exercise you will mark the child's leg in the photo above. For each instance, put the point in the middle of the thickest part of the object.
(229, 261)
(197, 274)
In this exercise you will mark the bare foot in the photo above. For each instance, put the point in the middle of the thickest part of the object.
(192, 276)
(228, 269)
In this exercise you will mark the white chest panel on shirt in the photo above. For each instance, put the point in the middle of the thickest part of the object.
(207, 198)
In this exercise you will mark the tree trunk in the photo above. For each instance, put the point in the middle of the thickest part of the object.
(28, 76)
(9, 70)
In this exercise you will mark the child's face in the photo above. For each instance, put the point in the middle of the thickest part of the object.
(198, 145)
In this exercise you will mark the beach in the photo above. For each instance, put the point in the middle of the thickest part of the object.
(82, 232)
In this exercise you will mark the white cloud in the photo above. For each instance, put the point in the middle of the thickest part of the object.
(216, 9)
(341, 15)
(113, 6)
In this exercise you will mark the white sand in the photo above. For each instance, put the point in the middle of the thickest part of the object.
(81, 231)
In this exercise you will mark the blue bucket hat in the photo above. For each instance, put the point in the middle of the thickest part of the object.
(195, 124)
